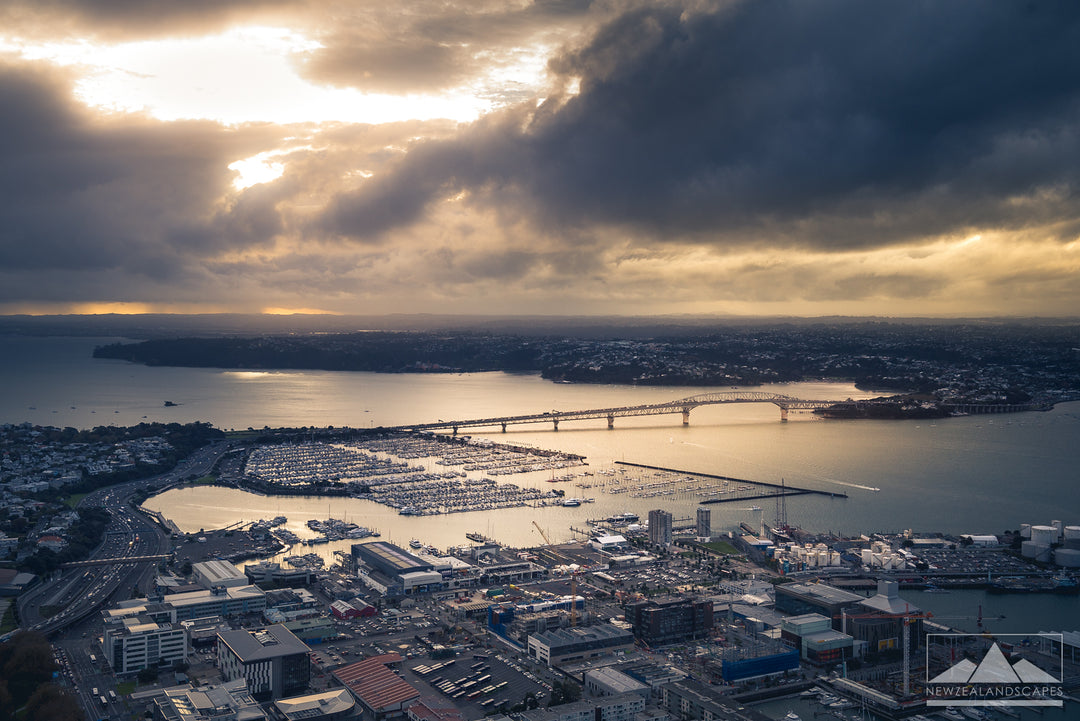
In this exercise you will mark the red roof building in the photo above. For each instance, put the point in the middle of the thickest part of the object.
(426, 711)
(379, 690)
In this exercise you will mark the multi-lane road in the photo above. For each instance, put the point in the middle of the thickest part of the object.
(79, 592)
(75, 595)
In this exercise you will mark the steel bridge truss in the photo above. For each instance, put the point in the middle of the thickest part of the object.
(683, 406)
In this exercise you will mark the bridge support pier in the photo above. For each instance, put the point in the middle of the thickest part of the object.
(783, 414)
(610, 422)
(686, 416)
(455, 430)
(555, 422)
(504, 427)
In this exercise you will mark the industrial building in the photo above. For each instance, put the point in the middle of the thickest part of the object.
(797, 599)
(609, 543)
(229, 700)
(273, 660)
(608, 681)
(658, 622)
(424, 711)
(352, 609)
(559, 646)
(210, 574)
(415, 575)
(381, 692)
(132, 643)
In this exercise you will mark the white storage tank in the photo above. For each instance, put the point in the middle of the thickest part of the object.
(1058, 525)
(1067, 557)
(834, 558)
(1025, 530)
(1035, 551)
(1043, 535)
(823, 558)
(1072, 533)
(867, 557)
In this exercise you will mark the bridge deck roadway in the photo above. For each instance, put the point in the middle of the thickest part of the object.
(683, 406)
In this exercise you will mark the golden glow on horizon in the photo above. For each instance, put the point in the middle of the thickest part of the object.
(298, 311)
(119, 308)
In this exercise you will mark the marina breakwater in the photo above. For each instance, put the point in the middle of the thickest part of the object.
(744, 491)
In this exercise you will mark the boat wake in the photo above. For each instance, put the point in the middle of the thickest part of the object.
(851, 485)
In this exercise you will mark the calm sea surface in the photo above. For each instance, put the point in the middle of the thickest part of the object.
(975, 474)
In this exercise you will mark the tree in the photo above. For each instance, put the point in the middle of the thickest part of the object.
(51, 703)
(26, 664)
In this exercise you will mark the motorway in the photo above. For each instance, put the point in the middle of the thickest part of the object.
(79, 593)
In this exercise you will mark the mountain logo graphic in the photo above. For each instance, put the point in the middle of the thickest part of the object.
(995, 668)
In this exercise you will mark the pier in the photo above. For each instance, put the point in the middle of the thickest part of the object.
(778, 489)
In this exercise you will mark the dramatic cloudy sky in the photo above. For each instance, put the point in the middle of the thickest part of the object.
(555, 156)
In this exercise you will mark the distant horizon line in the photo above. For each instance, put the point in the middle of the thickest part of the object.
(512, 316)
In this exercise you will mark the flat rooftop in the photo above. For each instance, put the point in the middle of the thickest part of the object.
(271, 642)
(820, 592)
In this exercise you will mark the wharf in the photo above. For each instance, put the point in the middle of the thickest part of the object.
(777, 488)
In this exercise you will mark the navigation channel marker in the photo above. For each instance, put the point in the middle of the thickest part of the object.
(1005, 669)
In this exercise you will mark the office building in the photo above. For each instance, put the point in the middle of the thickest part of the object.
(273, 660)
(564, 645)
(671, 620)
(132, 643)
(228, 701)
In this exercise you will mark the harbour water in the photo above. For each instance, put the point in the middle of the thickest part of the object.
(974, 474)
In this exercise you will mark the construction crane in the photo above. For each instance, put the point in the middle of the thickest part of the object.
(573, 599)
(908, 620)
(542, 534)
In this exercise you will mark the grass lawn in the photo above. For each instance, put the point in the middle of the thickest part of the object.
(722, 547)
(242, 435)
(125, 688)
(205, 481)
(74, 498)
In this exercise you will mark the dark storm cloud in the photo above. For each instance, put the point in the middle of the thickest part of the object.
(82, 193)
(836, 124)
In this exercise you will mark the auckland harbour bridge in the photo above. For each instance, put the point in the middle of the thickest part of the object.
(683, 406)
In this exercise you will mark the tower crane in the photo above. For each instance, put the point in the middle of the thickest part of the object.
(908, 620)
(542, 534)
